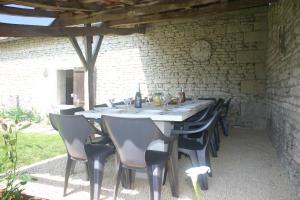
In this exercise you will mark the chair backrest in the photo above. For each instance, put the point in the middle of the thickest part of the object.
(119, 103)
(216, 107)
(225, 107)
(208, 98)
(71, 111)
(131, 137)
(53, 122)
(203, 130)
(74, 130)
(101, 105)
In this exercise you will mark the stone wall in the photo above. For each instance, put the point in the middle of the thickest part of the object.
(283, 84)
(160, 60)
(28, 69)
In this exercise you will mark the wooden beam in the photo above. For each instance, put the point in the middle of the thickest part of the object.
(12, 30)
(26, 12)
(58, 5)
(77, 48)
(191, 13)
(130, 12)
(96, 50)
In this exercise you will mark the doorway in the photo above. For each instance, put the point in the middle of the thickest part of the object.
(70, 87)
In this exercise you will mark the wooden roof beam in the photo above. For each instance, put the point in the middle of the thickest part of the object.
(26, 12)
(12, 30)
(194, 12)
(117, 14)
(49, 5)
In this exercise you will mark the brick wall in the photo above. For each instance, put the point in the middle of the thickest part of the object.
(160, 60)
(283, 84)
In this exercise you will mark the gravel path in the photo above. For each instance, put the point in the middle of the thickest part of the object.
(246, 169)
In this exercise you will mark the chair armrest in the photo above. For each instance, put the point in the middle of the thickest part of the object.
(99, 140)
(189, 131)
(191, 125)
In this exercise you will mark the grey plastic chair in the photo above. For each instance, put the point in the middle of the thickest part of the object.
(131, 138)
(75, 131)
(194, 143)
(71, 111)
(52, 122)
(101, 105)
(223, 117)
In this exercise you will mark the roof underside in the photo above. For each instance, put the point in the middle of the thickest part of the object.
(114, 15)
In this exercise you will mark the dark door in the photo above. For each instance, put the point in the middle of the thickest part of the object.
(78, 87)
(69, 87)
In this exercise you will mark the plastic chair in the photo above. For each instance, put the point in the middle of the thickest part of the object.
(223, 117)
(71, 111)
(101, 105)
(194, 143)
(132, 137)
(75, 131)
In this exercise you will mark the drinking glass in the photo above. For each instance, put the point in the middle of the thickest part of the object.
(127, 102)
(194, 98)
(149, 98)
(111, 101)
(166, 98)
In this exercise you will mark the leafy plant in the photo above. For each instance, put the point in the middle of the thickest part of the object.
(13, 180)
(20, 115)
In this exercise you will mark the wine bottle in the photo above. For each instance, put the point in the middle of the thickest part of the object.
(183, 95)
(138, 98)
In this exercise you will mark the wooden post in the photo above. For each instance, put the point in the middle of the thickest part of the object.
(89, 62)
(88, 44)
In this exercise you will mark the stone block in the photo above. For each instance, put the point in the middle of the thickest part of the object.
(260, 72)
(255, 113)
(253, 87)
(295, 91)
(250, 56)
(298, 39)
(233, 28)
(297, 30)
(258, 26)
(259, 36)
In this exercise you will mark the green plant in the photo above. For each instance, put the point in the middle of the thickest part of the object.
(13, 180)
(20, 115)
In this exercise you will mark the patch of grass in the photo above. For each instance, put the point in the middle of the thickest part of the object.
(33, 147)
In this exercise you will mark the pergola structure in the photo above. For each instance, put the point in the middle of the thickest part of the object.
(102, 17)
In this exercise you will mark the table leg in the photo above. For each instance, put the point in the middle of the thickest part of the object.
(173, 170)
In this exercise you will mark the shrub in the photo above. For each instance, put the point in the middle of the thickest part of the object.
(18, 114)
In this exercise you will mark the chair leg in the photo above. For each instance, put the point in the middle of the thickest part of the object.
(96, 155)
(119, 173)
(155, 180)
(207, 157)
(69, 165)
(171, 176)
(87, 171)
(203, 157)
(216, 138)
(73, 167)
(213, 147)
(165, 174)
(202, 179)
(203, 182)
(96, 167)
(225, 132)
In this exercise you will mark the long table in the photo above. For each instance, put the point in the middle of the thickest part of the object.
(162, 118)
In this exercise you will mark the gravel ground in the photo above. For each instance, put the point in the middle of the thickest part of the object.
(246, 169)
